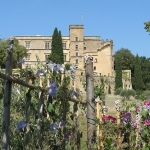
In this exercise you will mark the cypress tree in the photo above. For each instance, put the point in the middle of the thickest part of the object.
(138, 81)
(61, 55)
(56, 55)
(118, 70)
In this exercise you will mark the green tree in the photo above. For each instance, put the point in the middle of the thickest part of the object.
(138, 81)
(61, 55)
(145, 69)
(127, 61)
(118, 70)
(147, 26)
(56, 55)
(19, 52)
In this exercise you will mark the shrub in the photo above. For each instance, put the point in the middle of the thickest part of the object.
(118, 91)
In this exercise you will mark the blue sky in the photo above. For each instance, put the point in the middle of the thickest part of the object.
(119, 20)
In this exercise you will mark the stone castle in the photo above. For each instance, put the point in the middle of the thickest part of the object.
(75, 47)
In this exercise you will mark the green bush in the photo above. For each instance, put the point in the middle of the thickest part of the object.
(118, 91)
(126, 94)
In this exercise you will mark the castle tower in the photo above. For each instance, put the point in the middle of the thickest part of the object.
(76, 45)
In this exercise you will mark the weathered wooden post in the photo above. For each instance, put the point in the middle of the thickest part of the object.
(28, 107)
(118, 116)
(99, 117)
(7, 99)
(39, 121)
(91, 117)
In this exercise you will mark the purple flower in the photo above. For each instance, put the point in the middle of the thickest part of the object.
(126, 117)
(67, 135)
(52, 90)
(147, 102)
(56, 68)
(53, 127)
(62, 123)
(21, 61)
(21, 125)
(39, 73)
(134, 123)
(147, 122)
(74, 93)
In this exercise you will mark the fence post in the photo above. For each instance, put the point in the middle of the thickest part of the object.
(28, 107)
(99, 128)
(91, 117)
(118, 117)
(7, 99)
(39, 122)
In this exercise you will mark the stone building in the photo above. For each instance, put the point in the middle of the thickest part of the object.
(75, 46)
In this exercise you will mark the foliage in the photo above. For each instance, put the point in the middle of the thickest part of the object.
(118, 71)
(58, 125)
(127, 61)
(127, 93)
(118, 91)
(147, 26)
(67, 66)
(19, 52)
(145, 69)
(138, 81)
(99, 89)
(126, 57)
(56, 55)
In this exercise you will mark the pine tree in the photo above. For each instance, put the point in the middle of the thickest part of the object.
(118, 77)
(138, 81)
(56, 55)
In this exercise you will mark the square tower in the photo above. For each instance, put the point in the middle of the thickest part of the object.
(76, 45)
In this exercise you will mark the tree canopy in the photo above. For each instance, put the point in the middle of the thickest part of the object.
(138, 81)
(127, 58)
(56, 55)
(145, 69)
(147, 26)
(19, 52)
(118, 70)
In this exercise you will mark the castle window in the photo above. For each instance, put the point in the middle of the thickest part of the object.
(47, 45)
(76, 47)
(81, 73)
(28, 57)
(77, 54)
(94, 68)
(95, 60)
(76, 61)
(28, 45)
(84, 48)
(76, 39)
(64, 45)
(65, 57)
(46, 57)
